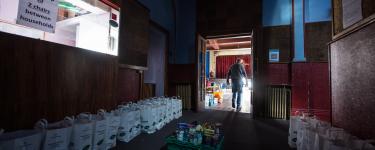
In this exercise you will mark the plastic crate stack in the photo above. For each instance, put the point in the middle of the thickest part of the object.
(309, 133)
(98, 131)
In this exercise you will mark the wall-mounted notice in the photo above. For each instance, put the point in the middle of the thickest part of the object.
(39, 14)
(351, 12)
(274, 55)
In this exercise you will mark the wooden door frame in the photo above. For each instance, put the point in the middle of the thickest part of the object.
(198, 99)
(197, 73)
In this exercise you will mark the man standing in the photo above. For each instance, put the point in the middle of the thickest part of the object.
(237, 73)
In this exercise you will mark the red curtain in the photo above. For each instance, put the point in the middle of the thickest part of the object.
(224, 62)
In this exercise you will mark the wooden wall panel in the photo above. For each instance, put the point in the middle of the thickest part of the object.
(40, 79)
(368, 7)
(278, 37)
(129, 84)
(134, 33)
(181, 74)
(317, 36)
(352, 82)
(223, 17)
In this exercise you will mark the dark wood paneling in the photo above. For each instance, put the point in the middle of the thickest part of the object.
(181, 74)
(129, 85)
(352, 82)
(368, 7)
(134, 34)
(278, 37)
(148, 90)
(40, 79)
(317, 36)
(222, 17)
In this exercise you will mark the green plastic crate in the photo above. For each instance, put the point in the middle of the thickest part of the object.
(174, 144)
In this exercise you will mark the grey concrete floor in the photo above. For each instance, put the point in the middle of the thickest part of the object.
(240, 130)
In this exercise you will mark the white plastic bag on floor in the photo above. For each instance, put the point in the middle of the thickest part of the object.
(148, 118)
(292, 138)
(82, 132)
(125, 125)
(113, 120)
(99, 131)
(56, 136)
(301, 135)
(136, 124)
(179, 108)
(21, 140)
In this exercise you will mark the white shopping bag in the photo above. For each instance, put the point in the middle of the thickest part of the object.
(56, 135)
(113, 120)
(292, 138)
(130, 123)
(333, 145)
(21, 140)
(82, 133)
(137, 123)
(148, 119)
(125, 126)
(99, 132)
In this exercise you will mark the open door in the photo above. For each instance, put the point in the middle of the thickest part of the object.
(200, 72)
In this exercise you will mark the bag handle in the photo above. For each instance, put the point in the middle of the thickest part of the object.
(101, 112)
(85, 115)
(41, 124)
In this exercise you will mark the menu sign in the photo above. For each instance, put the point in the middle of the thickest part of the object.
(39, 14)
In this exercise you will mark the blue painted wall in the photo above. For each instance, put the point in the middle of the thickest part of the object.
(299, 38)
(162, 12)
(277, 12)
(186, 32)
(317, 10)
(182, 42)
(155, 61)
(208, 64)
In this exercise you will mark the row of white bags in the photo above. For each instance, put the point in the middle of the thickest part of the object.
(85, 132)
(308, 133)
(94, 131)
(157, 112)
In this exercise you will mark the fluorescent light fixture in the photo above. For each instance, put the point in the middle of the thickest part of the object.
(86, 6)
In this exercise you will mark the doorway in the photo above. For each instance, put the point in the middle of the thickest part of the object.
(215, 59)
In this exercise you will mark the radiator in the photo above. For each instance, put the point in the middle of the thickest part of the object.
(277, 104)
(184, 91)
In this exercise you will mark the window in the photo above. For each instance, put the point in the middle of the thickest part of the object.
(87, 24)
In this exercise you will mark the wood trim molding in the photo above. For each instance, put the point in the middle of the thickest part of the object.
(111, 4)
(353, 28)
(133, 67)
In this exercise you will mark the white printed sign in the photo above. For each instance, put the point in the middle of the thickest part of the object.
(39, 14)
